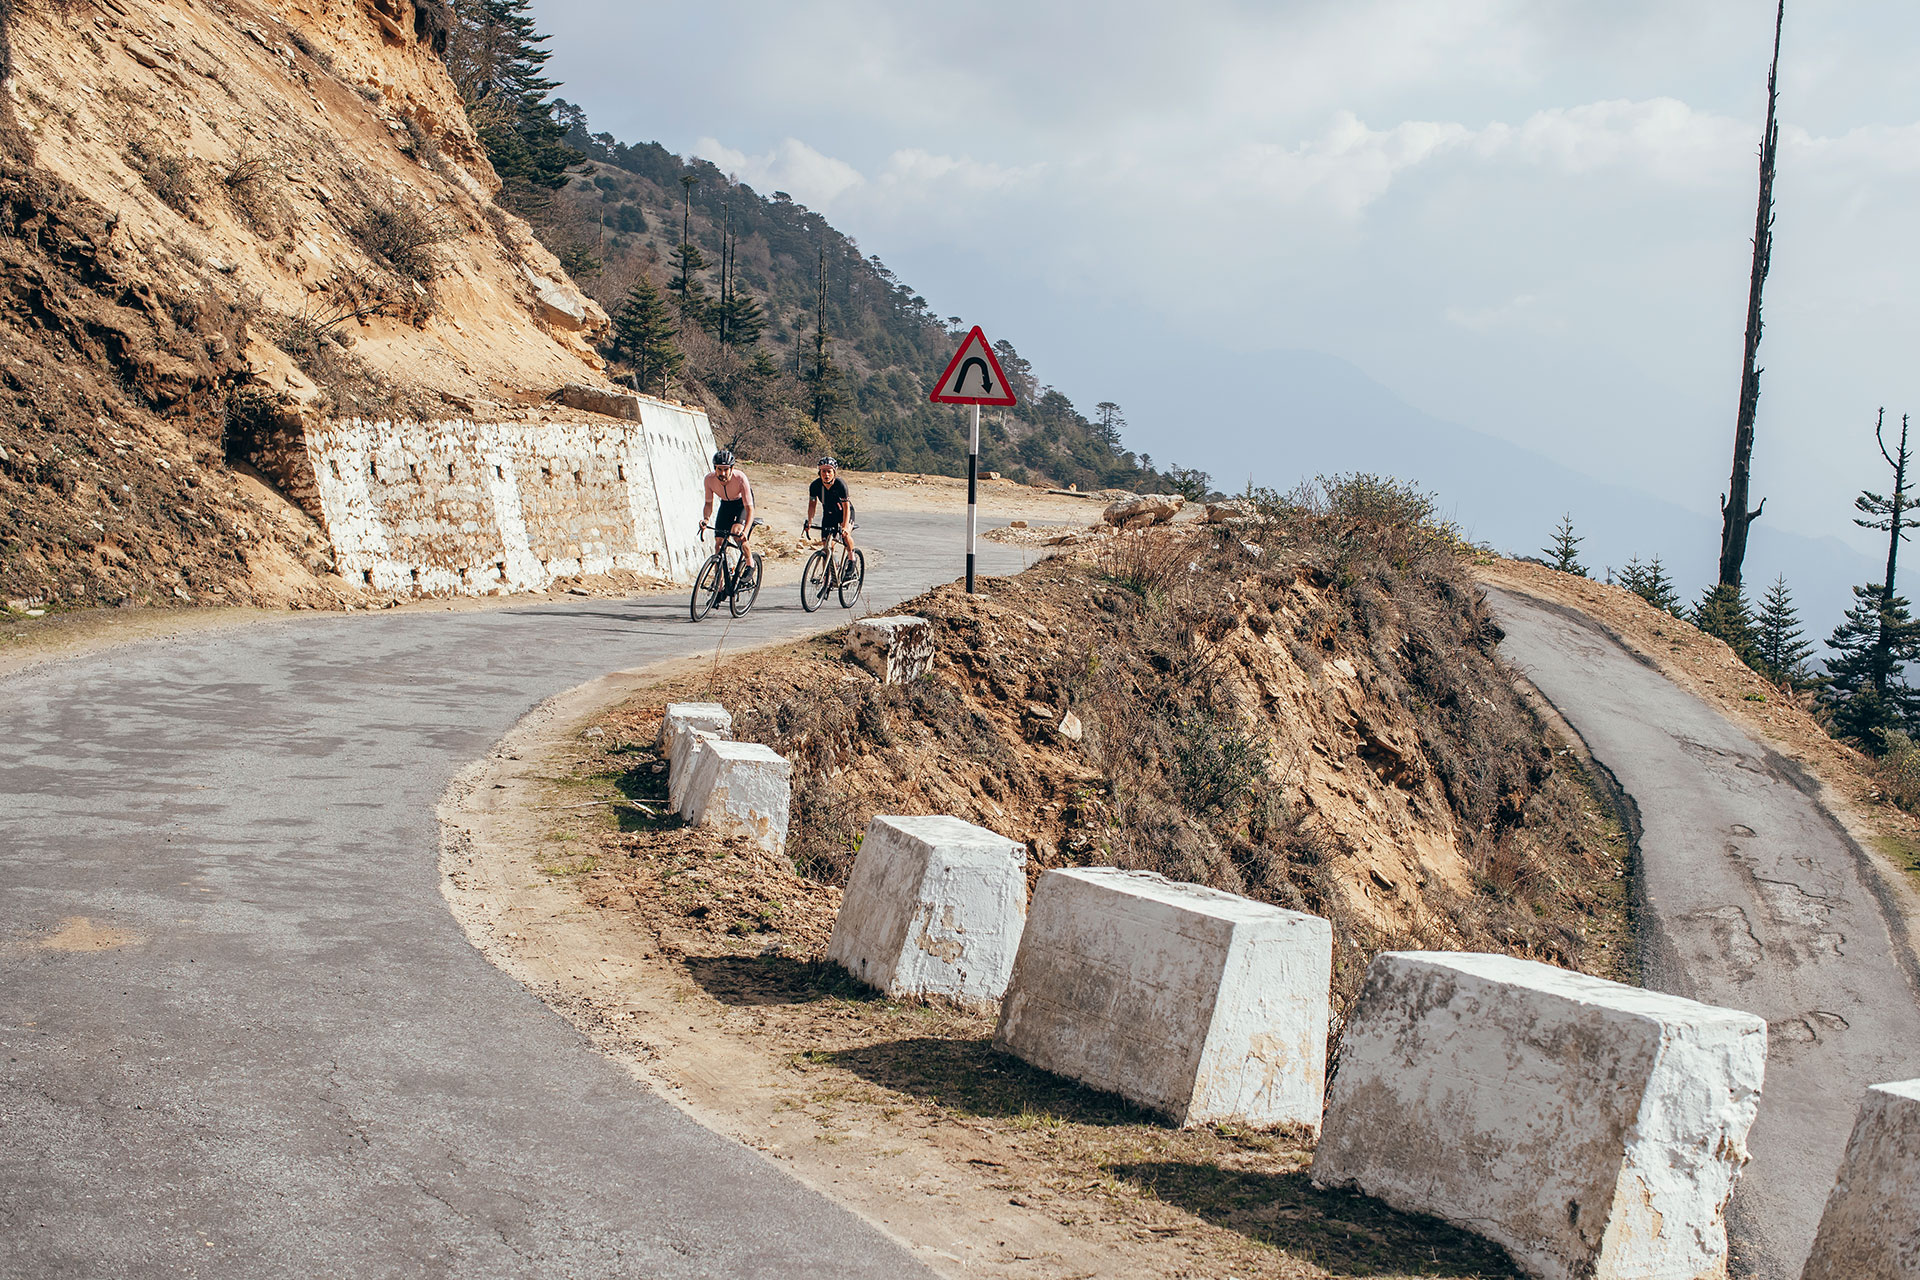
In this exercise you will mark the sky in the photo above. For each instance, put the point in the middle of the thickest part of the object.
(1531, 220)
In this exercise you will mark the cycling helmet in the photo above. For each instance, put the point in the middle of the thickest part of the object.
(827, 462)
(724, 458)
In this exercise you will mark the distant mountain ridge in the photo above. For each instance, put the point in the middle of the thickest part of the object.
(623, 214)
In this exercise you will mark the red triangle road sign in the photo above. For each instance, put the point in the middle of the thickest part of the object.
(973, 376)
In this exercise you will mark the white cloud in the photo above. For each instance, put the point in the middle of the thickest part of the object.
(807, 175)
(1520, 312)
(917, 171)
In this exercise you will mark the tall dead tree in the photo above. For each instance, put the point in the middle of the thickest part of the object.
(1733, 503)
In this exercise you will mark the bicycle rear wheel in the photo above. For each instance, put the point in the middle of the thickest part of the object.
(814, 582)
(707, 585)
(851, 579)
(746, 587)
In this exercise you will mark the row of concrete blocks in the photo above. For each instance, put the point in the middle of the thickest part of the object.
(713, 781)
(1593, 1129)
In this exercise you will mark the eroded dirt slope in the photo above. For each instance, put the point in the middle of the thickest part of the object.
(214, 214)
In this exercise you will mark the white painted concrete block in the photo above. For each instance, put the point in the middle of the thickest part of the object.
(740, 786)
(681, 728)
(934, 908)
(1593, 1129)
(1871, 1227)
(1201, 1005)
(895, 649)
(711, 716)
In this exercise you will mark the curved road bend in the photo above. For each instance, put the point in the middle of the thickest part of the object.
(1756, 900)
(298, 1066)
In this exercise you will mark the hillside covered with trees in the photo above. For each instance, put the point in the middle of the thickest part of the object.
(795, 340)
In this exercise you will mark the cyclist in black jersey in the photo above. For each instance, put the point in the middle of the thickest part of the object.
(828, 494)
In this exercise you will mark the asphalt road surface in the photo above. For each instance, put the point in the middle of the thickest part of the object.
(297, 1066)
(1756, 900)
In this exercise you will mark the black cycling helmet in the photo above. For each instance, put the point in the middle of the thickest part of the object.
(827, 462)
(724, 458)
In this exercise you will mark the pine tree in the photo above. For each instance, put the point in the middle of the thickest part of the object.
(1633, 576)
(1659, 590)
(1723, 612)
(1867, 692)
(1564, 553)
(742, 321)
(824, 390)
(1107, 424)
(494, 53)
(643, 337)
(1783, 654)
(688, 262)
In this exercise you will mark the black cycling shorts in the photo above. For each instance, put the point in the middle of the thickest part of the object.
(731, 509)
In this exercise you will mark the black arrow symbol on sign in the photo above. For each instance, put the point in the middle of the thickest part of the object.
(986, 381)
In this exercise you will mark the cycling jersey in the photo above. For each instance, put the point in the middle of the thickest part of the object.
(832, 498)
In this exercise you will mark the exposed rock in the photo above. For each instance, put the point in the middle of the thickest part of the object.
(1141, 510)
(1231, 509)
(603, 400)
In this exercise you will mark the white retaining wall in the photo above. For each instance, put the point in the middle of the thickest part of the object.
(934, 908)
(1201, 1005)
(1593, 1129)
(459, 507)
(1871, 1227)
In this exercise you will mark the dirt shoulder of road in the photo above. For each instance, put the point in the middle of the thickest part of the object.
(680, 964)
(1707, 668)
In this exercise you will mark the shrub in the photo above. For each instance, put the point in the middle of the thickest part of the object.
(402, 235)
(167, 173)
(251, 181)
(1896, 770)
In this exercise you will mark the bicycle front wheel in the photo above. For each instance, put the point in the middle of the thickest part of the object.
(706, 587)
(851, 579)
(746, 587)
(814, 582)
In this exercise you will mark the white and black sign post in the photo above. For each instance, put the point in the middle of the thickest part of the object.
(973, 378)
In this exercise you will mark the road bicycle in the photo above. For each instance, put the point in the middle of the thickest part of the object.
(832, 568)
(729, 574)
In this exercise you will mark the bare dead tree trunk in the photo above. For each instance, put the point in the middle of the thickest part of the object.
(1733, 503)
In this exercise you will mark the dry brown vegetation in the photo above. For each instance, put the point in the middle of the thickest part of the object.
(1307, 709)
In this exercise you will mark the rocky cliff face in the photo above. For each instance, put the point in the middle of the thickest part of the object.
(221, 217)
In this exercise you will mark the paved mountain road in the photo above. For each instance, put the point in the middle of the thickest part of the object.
(297, 1065)
(1756, 899)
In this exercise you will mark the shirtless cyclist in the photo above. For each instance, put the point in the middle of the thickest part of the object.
(727, 485)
